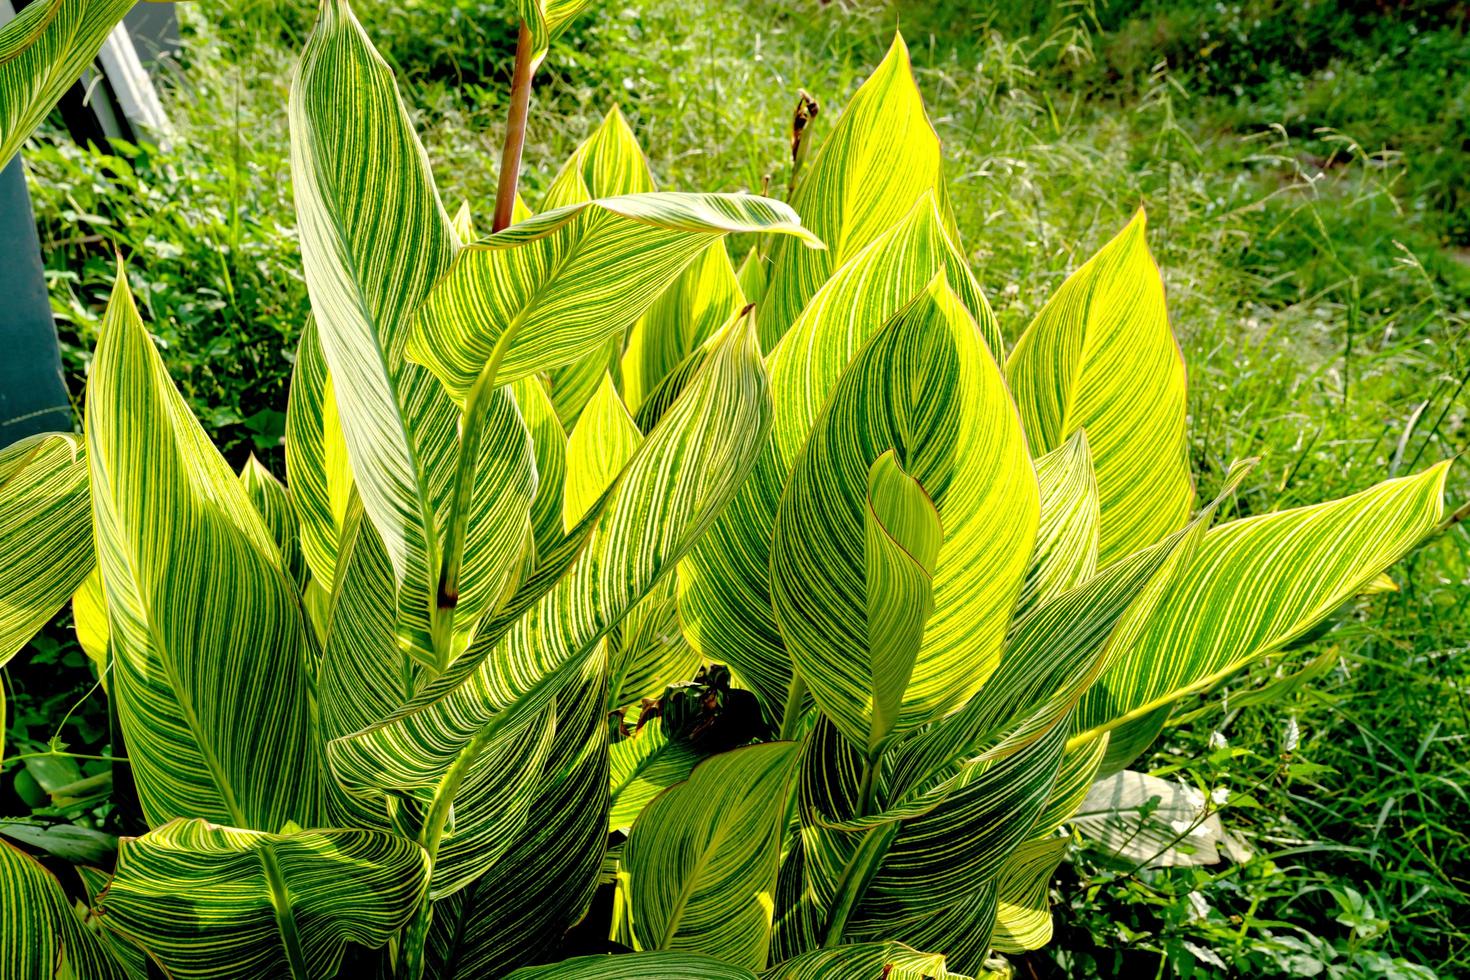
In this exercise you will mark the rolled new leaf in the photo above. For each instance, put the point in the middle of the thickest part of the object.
(42, 52)
(45, 533)
(1100, 356)
(546, 19)
(317, 466)
(207, 636)
(700, 864)
(849, 587)
(554, 287)
(197, 896)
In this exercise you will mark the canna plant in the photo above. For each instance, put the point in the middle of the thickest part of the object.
(760, 621)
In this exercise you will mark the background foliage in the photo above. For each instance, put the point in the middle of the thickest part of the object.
(1306, 174)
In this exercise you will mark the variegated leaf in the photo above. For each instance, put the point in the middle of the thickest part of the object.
(555, 287)
(207, 633)
(682, 475)
(642, 766)
(697, 304)
(45, 533)
(198, 896)
(1066, 540)
(317, 466)
(47, 47)
(862, 547)
(725, 588)
(700, 864)
(1100, 356)
(880, 160)
(42, 936)
(1255, 585)
(371, 249)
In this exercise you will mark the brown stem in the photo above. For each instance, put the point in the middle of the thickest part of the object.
(515, 132)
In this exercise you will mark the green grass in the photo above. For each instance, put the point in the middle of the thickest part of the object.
(1305, 175)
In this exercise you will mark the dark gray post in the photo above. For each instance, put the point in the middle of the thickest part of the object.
(32, 392)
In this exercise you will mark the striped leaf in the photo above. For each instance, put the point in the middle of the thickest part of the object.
(922, 876)
(317, 466)
(1066, 540)
(268, 905)
(880, 160)
(1102, 338)
(1255, 585)
(608, 163)
(863, 544)
(700, 864)
(555, 287)
(206, 630)
(47, 47)
(641, 767)
(364, 677)
(45, 533)
(637, 966)
(725, 588)
(1051, 657)
(649, 651)
(274, 505)
(549, 444)
(681, 476)
(602, 442)
(42, 936)
(374, 238)
(699, 302)
(24, 29)
(864, 961)
(520, 909)
(1023, 912)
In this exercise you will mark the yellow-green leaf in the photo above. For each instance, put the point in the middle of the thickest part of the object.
(880, 160)
(206, 631)
(41, 934)
(701, 301)
(700, 864)
(198, 896)
(725, 589)
(45, 533)
(925, 388)
(1101, 340)
(555, 287)
(603, 440)
(47, 47)
(1255, 585)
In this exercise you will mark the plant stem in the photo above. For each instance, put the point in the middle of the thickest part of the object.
(856, 877)
(869, 788)
(515, 131)
(471, 429)
(791, 711)
(417, 931)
